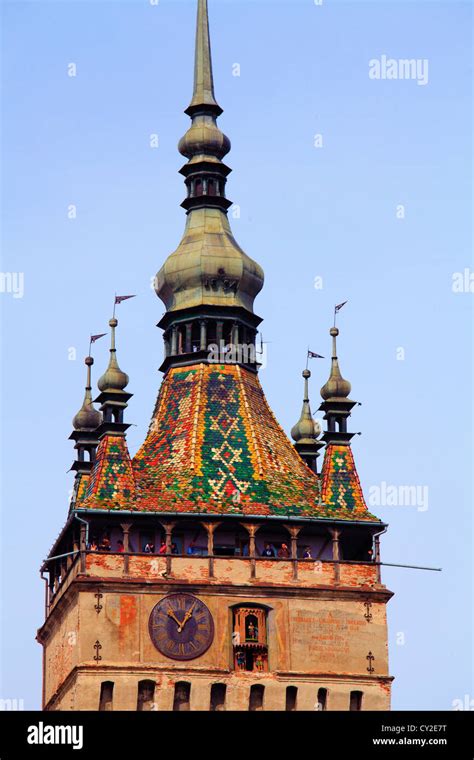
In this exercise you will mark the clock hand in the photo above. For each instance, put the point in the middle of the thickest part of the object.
(188, 615)
(172, 615)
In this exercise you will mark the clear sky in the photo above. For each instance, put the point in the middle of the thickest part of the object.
(306, 212)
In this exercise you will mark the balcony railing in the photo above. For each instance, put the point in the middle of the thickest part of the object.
(215, 570)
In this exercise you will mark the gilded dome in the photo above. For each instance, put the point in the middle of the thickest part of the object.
(208, 267)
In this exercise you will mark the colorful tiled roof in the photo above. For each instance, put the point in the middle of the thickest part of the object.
(341, 487)
(111, 483)
(214, 446)
(81, 491)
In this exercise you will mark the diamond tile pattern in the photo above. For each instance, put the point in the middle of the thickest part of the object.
(341, 487)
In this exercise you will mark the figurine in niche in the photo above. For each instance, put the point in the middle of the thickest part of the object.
(252, 631)
(258, 662)
(240, 658)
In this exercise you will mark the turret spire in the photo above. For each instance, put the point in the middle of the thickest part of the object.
(307, 430)
(340, 487)
(111, 483)
(113, 397)
(113, 378)
(85, 435)
(336, 402)
(336, 386)
(87, 418)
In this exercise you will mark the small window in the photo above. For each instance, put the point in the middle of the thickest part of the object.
(356, 700)
(218, 691)
(146, 696)
(182, 693)
(322, 698)
(291, 697)
(106, 696)
(256, 697)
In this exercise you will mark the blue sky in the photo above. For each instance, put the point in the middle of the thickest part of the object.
(305, 212)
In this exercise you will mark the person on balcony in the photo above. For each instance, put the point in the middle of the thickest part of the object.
(269, 551)
(283, 552)
(105, 546)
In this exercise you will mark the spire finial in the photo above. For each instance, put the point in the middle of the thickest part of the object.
(203, 92)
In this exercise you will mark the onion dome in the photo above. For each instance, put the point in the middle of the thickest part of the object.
(113, 378)
(209, 267)
(336, 387)
(87, 418)
(306, 429)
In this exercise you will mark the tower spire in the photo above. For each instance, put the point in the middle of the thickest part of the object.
(203, 93)
(208, 284)
(204, 144)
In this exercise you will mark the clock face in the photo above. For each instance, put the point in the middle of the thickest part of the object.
(181, 627)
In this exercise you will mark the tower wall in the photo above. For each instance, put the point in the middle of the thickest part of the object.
(318, 637)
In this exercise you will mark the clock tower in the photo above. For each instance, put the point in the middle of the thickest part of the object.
(217, 569)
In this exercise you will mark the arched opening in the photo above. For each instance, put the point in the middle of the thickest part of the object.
(198, 189)
(291, 698)
(106, 696)
(356, 700)
(322, 699)
(182, 696)
(146, 696)
(218, 693)
(257, 692)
